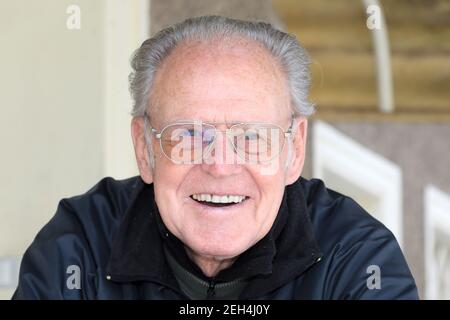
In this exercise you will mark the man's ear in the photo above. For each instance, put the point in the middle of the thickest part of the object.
(298, 146)
(140, 149)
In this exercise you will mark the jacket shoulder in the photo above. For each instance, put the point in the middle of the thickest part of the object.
(107, 201)
(77, 239)
(356, 247)
(337, 218)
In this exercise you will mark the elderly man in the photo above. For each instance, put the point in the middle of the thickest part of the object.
(219, 210)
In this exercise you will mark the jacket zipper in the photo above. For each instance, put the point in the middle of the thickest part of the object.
(211, 290)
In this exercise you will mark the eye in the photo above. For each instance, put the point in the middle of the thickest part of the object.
(251, 135)
(190, 133)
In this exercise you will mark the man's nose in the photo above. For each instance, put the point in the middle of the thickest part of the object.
(222, 159)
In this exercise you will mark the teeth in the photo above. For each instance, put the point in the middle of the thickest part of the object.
(205, 197)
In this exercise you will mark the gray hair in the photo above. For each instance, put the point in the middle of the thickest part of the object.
(284, 47)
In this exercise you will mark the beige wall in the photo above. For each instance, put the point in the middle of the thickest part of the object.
(51, 105)
(63, 93)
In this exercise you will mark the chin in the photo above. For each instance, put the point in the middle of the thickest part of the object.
(229, 248)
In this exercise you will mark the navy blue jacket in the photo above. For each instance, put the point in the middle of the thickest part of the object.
(104, 245)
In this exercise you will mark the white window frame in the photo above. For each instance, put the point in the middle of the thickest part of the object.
(375, 175)
(437, 219)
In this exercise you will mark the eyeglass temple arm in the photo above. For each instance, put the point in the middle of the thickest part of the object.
(152, 130)
(290, 130)
(156, 133)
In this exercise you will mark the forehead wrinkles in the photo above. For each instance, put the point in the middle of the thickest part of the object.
(238, 63)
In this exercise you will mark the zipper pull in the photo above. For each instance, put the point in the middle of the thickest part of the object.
(211, 292)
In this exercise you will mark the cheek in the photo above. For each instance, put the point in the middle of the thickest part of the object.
(269, 178)
(168, 174)
(269, 175)
(271, 189)
(167, 181)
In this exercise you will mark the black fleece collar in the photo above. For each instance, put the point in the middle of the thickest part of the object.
(282, 255)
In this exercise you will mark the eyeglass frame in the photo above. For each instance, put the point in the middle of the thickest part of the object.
(158, 134)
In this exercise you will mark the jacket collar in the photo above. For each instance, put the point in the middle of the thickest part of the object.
(137, 252)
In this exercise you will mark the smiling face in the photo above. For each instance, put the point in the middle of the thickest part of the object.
(227, 82)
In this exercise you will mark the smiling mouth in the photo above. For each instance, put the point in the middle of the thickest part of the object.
(213, 200)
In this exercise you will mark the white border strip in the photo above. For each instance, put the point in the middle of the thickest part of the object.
(437, 218)
(372, 173)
